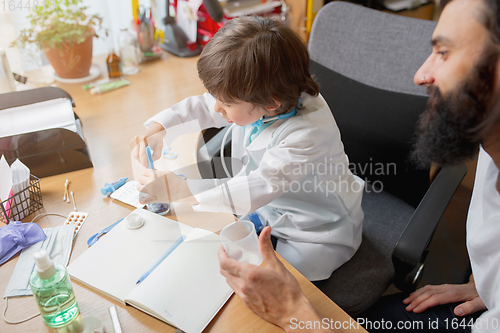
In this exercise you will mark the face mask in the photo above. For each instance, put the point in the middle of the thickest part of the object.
(57, 244)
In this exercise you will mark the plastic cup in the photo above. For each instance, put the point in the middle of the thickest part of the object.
(241, 243)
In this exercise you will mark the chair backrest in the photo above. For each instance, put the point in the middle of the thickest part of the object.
(365, 61)
(375, 48)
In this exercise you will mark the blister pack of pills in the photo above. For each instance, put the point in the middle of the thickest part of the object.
(77, 219)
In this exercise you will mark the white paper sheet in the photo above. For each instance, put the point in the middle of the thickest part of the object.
(128, 194)
(56, 113)
(20, 185)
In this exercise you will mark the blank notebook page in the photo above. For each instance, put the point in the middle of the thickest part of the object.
(187, 289)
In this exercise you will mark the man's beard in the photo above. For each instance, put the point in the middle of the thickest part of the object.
(447, 131)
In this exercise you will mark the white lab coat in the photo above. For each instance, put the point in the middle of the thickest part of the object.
(483, 234)
(294, 174)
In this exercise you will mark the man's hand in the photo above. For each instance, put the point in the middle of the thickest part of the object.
(165, 187)
(272, 292)
(153, 138)
(430, 296)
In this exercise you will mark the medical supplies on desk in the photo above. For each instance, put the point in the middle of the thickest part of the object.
(53, 292)
(16, 236)
(19, 191)
(24, 205)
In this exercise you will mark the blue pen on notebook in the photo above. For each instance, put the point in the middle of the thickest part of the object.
(93, 239)
(163, 257)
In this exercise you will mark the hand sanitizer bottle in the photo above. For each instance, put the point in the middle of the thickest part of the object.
(51, 287)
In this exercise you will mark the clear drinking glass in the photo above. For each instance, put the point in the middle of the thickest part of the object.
(241, 243)
(129, 52)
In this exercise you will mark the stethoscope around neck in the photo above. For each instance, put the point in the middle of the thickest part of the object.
(258, 123)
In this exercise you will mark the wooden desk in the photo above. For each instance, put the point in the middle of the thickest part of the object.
(109, 121)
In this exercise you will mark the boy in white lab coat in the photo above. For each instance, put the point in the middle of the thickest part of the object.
(292, 173)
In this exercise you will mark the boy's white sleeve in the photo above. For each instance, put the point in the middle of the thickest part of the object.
(239, 195)
(195, 109)
(275, 175)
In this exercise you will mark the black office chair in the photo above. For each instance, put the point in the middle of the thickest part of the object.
(364, 61)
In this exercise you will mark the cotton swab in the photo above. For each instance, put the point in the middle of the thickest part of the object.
(65, 190)
(73, 198)
(67, 200)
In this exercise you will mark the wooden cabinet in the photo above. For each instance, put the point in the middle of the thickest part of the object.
(297, 17)
(298, 14)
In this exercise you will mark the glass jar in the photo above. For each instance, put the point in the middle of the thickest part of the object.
(129, 52)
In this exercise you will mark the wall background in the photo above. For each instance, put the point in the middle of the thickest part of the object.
(116, 14)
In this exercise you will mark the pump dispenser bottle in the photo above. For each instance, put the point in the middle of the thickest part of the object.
(51, 287)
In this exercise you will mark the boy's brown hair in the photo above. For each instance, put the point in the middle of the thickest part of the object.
(257, 60)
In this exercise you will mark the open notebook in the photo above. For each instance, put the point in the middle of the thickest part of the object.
(186, 290)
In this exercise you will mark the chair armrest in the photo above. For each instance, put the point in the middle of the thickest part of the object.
(207, 164)
(411, 249)
(213, 145)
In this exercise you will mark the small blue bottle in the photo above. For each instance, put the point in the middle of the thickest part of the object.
(53, 293)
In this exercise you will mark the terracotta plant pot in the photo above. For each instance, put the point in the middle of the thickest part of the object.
(71, 61)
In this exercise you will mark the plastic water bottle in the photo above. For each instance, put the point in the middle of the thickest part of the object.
(129, 52)
(53, 293)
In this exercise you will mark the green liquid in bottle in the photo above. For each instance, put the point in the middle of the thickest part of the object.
(59, 310)
(55, 297)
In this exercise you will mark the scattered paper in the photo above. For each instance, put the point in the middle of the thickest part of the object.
(128, 194)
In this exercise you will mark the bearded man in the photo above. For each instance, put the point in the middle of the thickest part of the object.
(463, 78)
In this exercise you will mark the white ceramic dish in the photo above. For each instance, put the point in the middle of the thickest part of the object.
(94, 73)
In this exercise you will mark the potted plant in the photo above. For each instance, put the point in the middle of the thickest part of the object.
(62, 30)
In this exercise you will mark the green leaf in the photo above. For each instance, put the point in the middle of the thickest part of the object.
(48, 26)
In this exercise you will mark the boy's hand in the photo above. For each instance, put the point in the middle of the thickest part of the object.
(153, 138)
(165, 187)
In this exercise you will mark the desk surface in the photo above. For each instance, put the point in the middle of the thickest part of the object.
(109, 121)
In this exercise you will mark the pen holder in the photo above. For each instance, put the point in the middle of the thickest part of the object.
(147, 39)
(23, 203)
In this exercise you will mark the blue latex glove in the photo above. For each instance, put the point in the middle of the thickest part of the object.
(16, 236)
